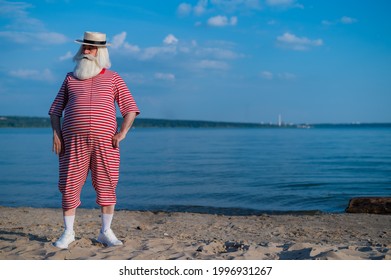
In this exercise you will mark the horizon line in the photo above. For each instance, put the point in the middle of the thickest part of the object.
(4, 117)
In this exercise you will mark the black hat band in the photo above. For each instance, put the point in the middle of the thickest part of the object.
(94, 42)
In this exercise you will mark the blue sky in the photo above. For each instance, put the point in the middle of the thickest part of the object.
(219, 60)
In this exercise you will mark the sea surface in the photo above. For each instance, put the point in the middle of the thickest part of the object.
(222, 171)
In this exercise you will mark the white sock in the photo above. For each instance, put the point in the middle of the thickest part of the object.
(68, 222)
(106, 221)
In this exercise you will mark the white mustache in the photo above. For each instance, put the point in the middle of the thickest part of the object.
(88, 56)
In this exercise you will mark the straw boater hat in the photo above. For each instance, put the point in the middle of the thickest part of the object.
(94, 39)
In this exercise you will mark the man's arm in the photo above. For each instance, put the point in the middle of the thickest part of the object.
(126, 125)
(58, 145)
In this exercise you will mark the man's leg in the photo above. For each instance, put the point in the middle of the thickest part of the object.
(104, 173)
(107, 217)
(73, 169)
(106, 235)
(69, 234)
(69, 219)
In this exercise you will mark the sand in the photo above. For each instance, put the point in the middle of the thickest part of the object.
(28, 233)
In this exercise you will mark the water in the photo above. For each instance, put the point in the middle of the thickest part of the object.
(233, 171)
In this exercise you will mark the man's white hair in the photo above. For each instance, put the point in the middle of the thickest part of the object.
(102, 57)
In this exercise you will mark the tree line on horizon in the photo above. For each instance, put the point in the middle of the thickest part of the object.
(42, 122)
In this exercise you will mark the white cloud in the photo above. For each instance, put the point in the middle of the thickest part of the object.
(279, 2)
(16, 37)
(118, 40)
(66, 56)
(20, 19)
(133, 49)
(221, 21)
(291, 41)
(343, 20)
(233, 20)
(327, 22)
(267, 75)
(152, 52)
(226, 6)
(236, 5)
(212, 64)
(212, 55)
(25, 29)
(169, 47)
(34, 37)
(218, 21)
(184, 9)
(200, 8)
(134, 78)
(51, 37)
(218, 53)
(284, 3)
(286, 76)
(170, 40)
(165, 76)
(14, 8)
(37, 75)
(348, 20)
(120, 43)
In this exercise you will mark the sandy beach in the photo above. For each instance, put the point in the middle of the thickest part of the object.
(28, 233)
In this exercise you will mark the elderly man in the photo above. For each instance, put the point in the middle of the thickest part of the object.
(88, 139)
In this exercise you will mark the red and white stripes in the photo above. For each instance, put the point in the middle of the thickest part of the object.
(88, 127)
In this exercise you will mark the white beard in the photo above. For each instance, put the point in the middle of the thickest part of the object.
(86, 67)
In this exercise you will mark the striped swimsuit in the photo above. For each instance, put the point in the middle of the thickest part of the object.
(87, 130)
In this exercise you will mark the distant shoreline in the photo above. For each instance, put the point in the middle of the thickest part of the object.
(42, 122)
